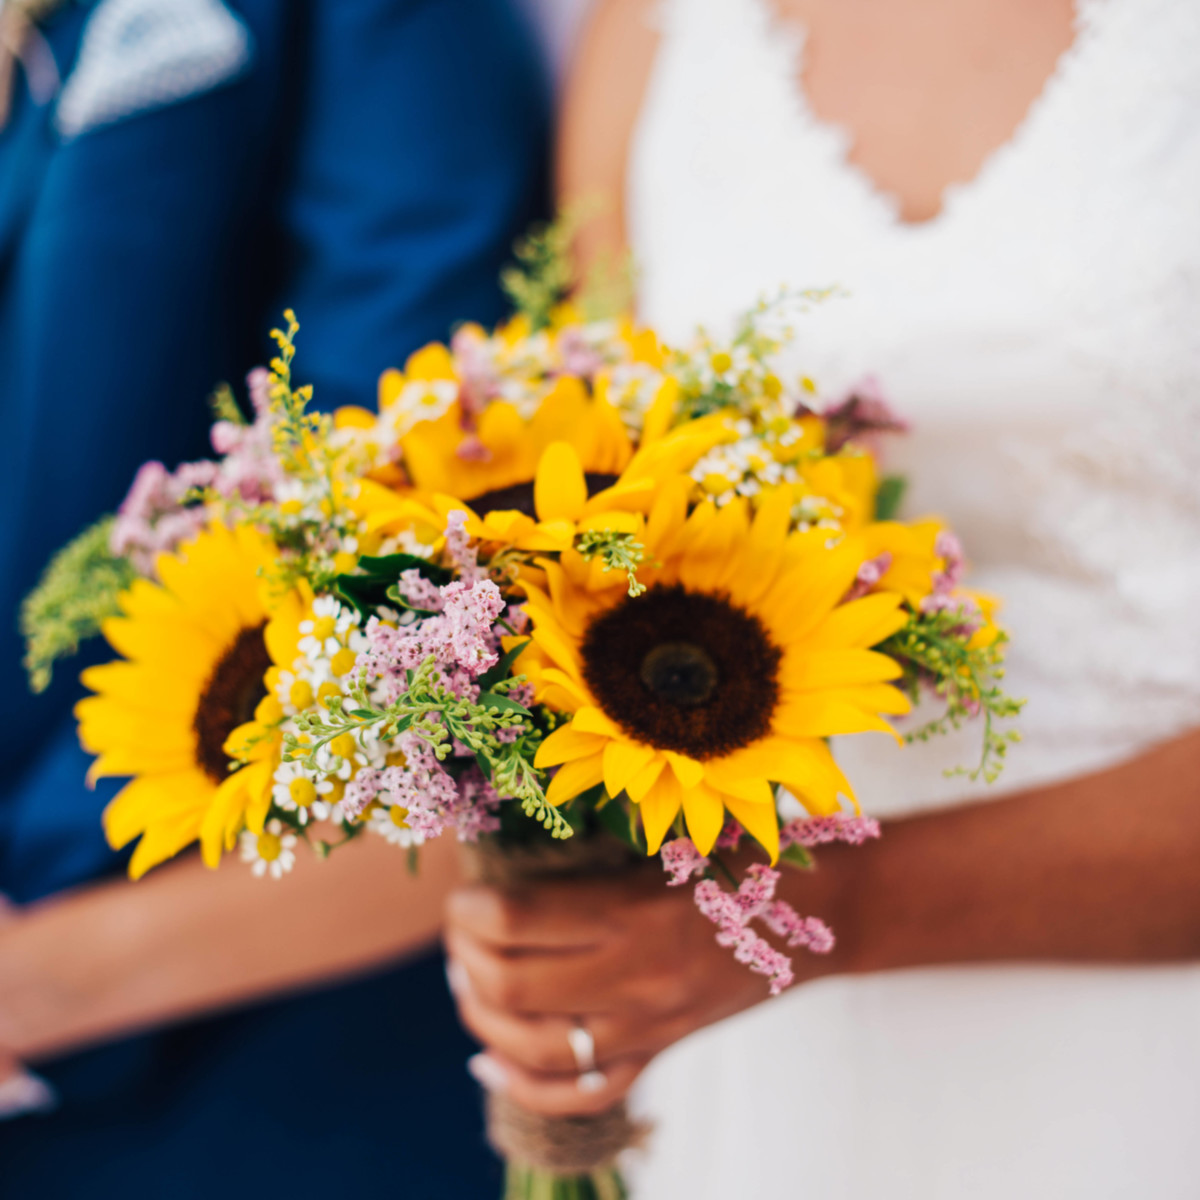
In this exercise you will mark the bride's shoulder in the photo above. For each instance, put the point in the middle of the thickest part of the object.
(603, 96)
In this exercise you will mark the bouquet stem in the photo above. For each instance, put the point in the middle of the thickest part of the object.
(533, 1183)
(557, 1158)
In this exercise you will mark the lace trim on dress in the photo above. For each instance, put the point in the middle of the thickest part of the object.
(787, 38)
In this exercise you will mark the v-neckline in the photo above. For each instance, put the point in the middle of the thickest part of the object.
(954, 192)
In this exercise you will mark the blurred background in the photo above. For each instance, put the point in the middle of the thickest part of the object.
(173, 174)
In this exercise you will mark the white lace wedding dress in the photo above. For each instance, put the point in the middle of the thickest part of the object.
(1043, 335)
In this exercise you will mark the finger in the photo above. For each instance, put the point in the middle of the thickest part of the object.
(557, 1095)
(565, 982)
(543, 1044)
(525, 918)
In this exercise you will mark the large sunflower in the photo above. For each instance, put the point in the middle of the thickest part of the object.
(179, 711)
(723, 678)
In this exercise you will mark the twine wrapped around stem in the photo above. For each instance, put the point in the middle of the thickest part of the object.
(560, 1146)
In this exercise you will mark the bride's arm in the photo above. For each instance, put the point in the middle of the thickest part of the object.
(107, 959)
(1099, 869)
(599, 111)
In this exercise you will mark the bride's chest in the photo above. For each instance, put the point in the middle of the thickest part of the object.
(1043, 332)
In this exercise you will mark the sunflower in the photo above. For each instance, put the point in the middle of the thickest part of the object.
(723, 678)
(187, 703)
(560, 500)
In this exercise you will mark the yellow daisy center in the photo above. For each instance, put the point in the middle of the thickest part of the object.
(270, 846)
(302, 791)
(399, 815)
(343, 661)
(343, 745)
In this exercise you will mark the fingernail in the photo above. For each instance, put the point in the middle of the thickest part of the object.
(488, 1073)
(457, 979)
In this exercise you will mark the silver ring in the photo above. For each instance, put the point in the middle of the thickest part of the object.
(583, 1047)
(592, 1081)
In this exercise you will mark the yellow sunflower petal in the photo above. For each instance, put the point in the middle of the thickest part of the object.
(575, 777)
(646, 778)
(154, 797)
(687, 770)
(860, 624)
(161, 842)
(594, 720)
(819, 716)
(808, 670)
(760, 821)
(622, 761)
(704, 812)
(659, 808)
(566, 744)
(560, 490)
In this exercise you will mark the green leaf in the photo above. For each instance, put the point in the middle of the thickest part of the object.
(890, 496)
(393, 594)
(797, 856)
(390, 566)
(503, 703)
(490, 678)
(370, 585)
(365, 714)
(484, 765)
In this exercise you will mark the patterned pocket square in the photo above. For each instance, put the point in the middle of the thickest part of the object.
(138, 55)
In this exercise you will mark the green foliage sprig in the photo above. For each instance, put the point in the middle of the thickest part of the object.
(77, 592)
(543, 275)
(936, 652)
(429, 710)
(616, 552)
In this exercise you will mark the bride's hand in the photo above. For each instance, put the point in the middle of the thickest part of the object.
(629, 957)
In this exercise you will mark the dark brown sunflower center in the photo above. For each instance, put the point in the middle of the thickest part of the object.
(229, 700)
(680, 673)
(519, 496)
(684, 671)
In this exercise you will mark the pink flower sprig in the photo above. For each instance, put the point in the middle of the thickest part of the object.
(681, 860)
(820, 831)
(160, 512)
(433, 800)
(732, 912)
(460, 638)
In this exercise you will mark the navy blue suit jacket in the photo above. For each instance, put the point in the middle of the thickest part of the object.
(370, 167)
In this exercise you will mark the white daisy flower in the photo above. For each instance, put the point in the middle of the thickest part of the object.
(272, 851)
(390, 822)
(295, 790)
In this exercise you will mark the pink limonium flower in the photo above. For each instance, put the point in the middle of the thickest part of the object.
(460, 551)
(476, 367)
(861, 416)
(869, 575)
(155, 517)
(732, 912)
(681, 860)
(820, 831)
(948, 548)
(160, 512)
(433, 801)
(461, 637)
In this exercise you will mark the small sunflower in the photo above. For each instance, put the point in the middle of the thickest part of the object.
(559, 501)
(188, 703)
(723, 678)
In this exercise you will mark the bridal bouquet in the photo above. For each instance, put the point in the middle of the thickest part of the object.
(565, 587)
